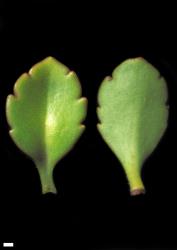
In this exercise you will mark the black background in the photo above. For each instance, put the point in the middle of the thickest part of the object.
(93, 208)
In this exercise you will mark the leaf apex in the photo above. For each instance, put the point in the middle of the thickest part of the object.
(49, 58)
(48, 61)
(134, 59)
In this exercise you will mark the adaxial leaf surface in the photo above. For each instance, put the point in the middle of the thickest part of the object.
(133, 115)
(45, 115)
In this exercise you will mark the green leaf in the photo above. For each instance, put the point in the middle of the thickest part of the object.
(133, 115)
(45, 115)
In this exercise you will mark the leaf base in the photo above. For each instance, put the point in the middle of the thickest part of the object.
(47, 182)
(137, 191)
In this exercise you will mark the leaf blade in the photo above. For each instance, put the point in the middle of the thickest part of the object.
(46, 112)
(132, 105)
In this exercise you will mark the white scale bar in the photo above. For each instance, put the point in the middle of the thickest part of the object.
(8, 244)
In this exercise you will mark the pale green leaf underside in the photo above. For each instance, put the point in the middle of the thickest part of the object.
(133, 113)
(46, 113)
